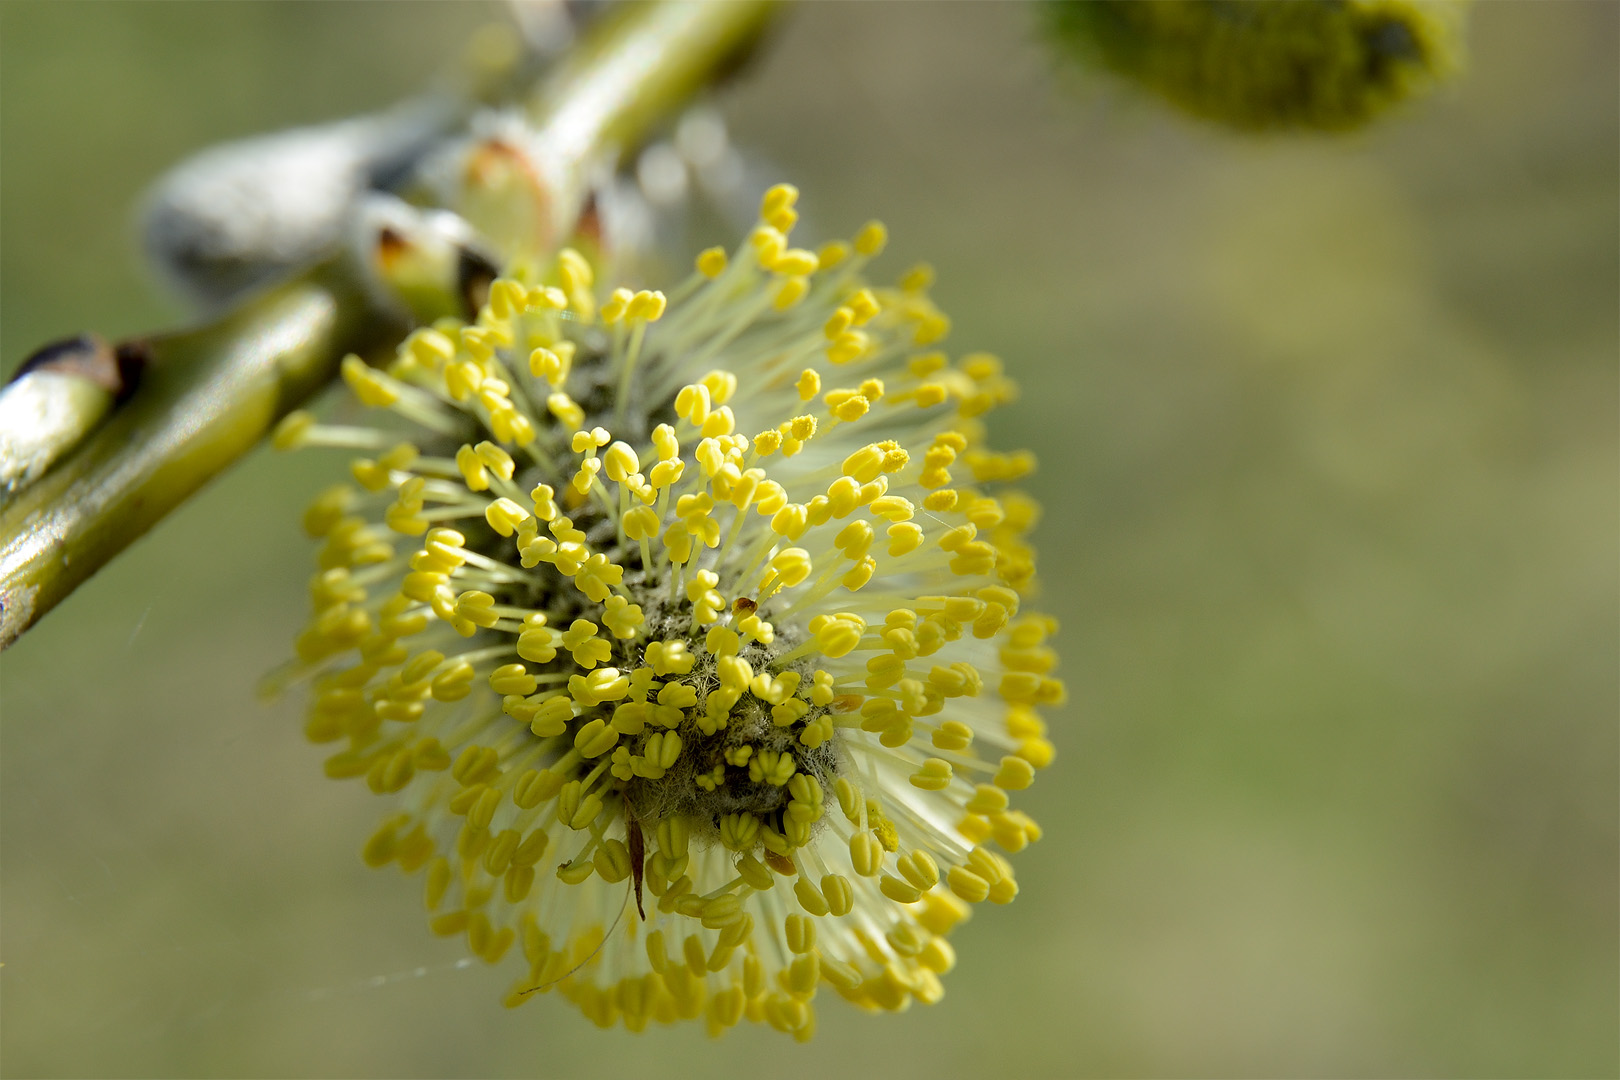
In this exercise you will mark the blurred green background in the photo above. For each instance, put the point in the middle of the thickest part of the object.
(1328, 433)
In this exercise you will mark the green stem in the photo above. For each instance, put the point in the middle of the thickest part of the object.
(210, 394)
(206, 398)
(648, 59)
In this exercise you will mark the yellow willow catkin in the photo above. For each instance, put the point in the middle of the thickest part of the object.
(696, 668)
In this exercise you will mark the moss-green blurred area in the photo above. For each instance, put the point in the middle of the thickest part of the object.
(1328, 443)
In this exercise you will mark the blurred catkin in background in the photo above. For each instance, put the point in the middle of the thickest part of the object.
(1327, 433)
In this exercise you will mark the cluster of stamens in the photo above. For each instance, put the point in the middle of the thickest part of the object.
(611, 654)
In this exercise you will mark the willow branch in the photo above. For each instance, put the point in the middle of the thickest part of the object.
(210, 394)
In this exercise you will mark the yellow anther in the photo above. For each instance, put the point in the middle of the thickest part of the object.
(533, 788)
(512, 679)
(931, 328)
(673, 835)
(622, 618)
(843, 496)
(849, 798)
(953, 735)
(864, 464)
(454, 683)
(790, 521)
(647, 306)
(545, 718)
(835, 636)
(663, 749)
(575, 272)
(629, 718)
(935, 775)
(475, 607)
(734, 673)
(505, 516)
(692, 403)
(664, 441)
(507, 298)
(809, 897)
(901, 892)
(546, 298)
(726, 909)
(839, 893)
(474, 766)
(789, 567)
(756, 629)
(587, 442)
(848, 346)
(711, 263)
(791, 712)
(967, 885)
(777, 198)
(755, 873)
(588, 650)
(641, 523)
(802, 975)
(666, 473)
(920, 869)
(721, 385)
(565, 409)
(327, 510)
(770, 767)
(797, 262)
(463, 378)
(833, 253)
(988, 865)
(597, 576)
(851, 408)
(472, 469)
(822, 688)
(937, 956)
(956, 539)
(987, 799)
(612, 861)
(595, 738)
(719, 422)
(545, 505)
(618, 304)
(739, 832)
(769, 245)
(766, 443)
(1028, 688)
(537, 641)
(838, 323)
(866, 853)
(290, 433)
(864, 305)
(552, 364)
(670, 658)
(678, 695)
(871, 238)
(598, 685)
(619, 462)
(372, 387)
(701, 581)
(917, 279)
(790, 291)
(904, 538)
(429, 347)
